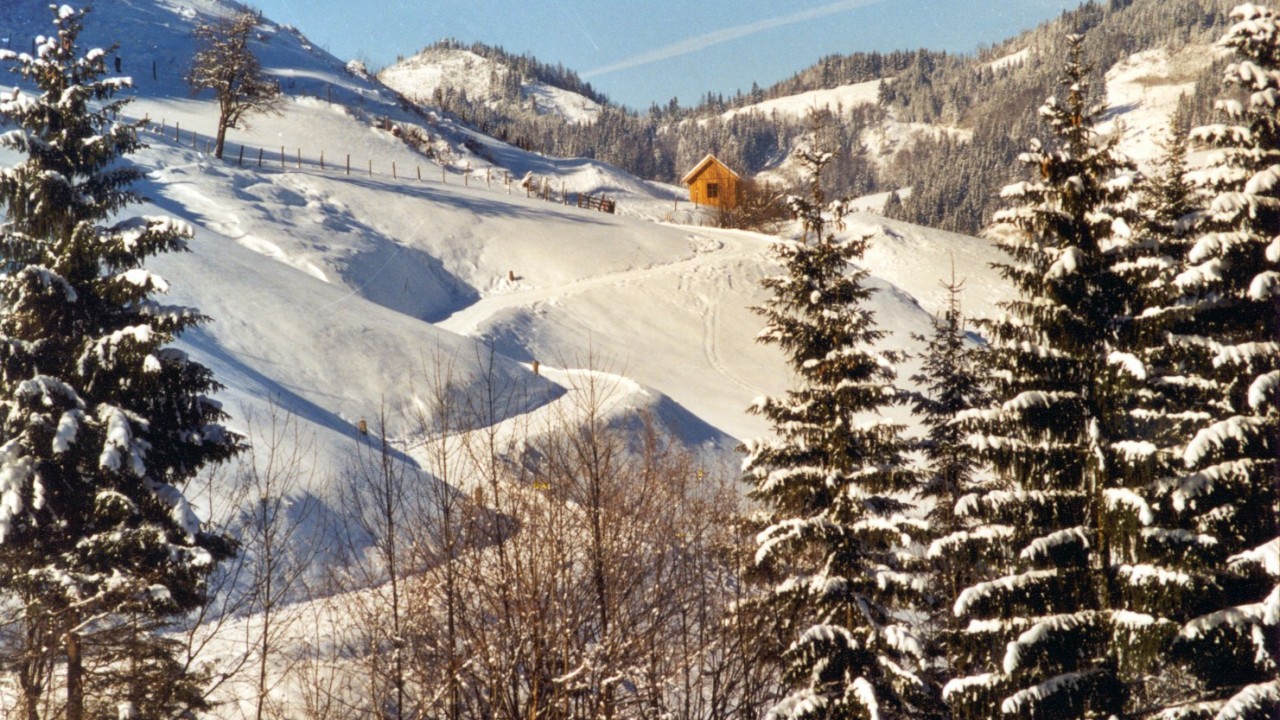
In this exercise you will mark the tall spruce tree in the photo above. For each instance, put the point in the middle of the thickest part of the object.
(834, 480)
(1055, 635)
(1146, 541)
(1221, 500)
(950, 383)
(101, 425)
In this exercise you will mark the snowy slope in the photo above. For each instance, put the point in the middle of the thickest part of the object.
(1143, 91)
(335, 294)
(459, 70)
(838, 100)
(331, 293)
(1012, 60)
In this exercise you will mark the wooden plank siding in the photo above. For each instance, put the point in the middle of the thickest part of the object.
(712, 183)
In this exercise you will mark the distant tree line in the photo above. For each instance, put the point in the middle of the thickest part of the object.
(955, 184)
(955, 178)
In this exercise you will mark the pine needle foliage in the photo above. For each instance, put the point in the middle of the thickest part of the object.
(950, 382)
(1054, 636)
(1222, 496)
(101, 424)
(836, 482)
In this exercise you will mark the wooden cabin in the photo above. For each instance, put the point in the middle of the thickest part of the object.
(711, 182)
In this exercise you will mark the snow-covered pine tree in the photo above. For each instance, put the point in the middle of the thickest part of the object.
(1223, 502)
(101, 425)
(1167, 198)
(1051, 637)
(1146, 543)
(833, 480)
(950, 383)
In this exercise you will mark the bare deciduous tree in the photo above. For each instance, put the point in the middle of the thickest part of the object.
(761, 207)
(227, 65)
(570, 562)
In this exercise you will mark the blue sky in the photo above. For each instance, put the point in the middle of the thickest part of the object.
(651, 50)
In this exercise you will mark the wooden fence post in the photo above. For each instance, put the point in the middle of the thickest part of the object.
(370, 167)
(259, 157)
(299, 158)
(240, 161)
(281, 156)
(488, 172)
(419, 173)
(177, 132)
(321, 159)
(348, 163)
(195, 140)
(394, 176)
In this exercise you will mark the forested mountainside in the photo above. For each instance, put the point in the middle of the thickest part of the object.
(960, 120)
(995, 94)
(507, 72)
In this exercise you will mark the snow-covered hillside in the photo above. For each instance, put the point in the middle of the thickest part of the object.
(331, 289)
(353, 248)
(838, 100)
(1143, 91)
(458, 70)
(331, 293)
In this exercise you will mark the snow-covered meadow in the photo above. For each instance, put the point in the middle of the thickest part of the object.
(331, 293)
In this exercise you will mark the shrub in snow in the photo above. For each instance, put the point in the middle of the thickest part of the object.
(100, 424)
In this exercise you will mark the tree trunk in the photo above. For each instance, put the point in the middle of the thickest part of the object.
(75, 678)
(32, 671)
(222, 137)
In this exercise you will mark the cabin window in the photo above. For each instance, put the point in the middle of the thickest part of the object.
(713, 190)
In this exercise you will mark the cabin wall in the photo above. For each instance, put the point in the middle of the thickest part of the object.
(726, 194)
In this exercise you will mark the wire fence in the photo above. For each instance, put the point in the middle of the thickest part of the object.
(285, 158)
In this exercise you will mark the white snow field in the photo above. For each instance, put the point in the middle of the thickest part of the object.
(839, 100)
(1143, 91)
(332, 293)
(333, 290)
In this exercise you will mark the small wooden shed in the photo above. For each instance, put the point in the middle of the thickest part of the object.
(711, 182)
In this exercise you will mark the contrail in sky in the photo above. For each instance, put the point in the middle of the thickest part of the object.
(699, 42)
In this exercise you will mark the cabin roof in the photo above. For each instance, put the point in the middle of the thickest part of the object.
(702, 165)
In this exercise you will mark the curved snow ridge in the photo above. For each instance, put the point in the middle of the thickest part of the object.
(273, 251)
(469, 320)
(598, 398)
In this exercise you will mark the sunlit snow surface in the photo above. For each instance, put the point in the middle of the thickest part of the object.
(333, 293)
